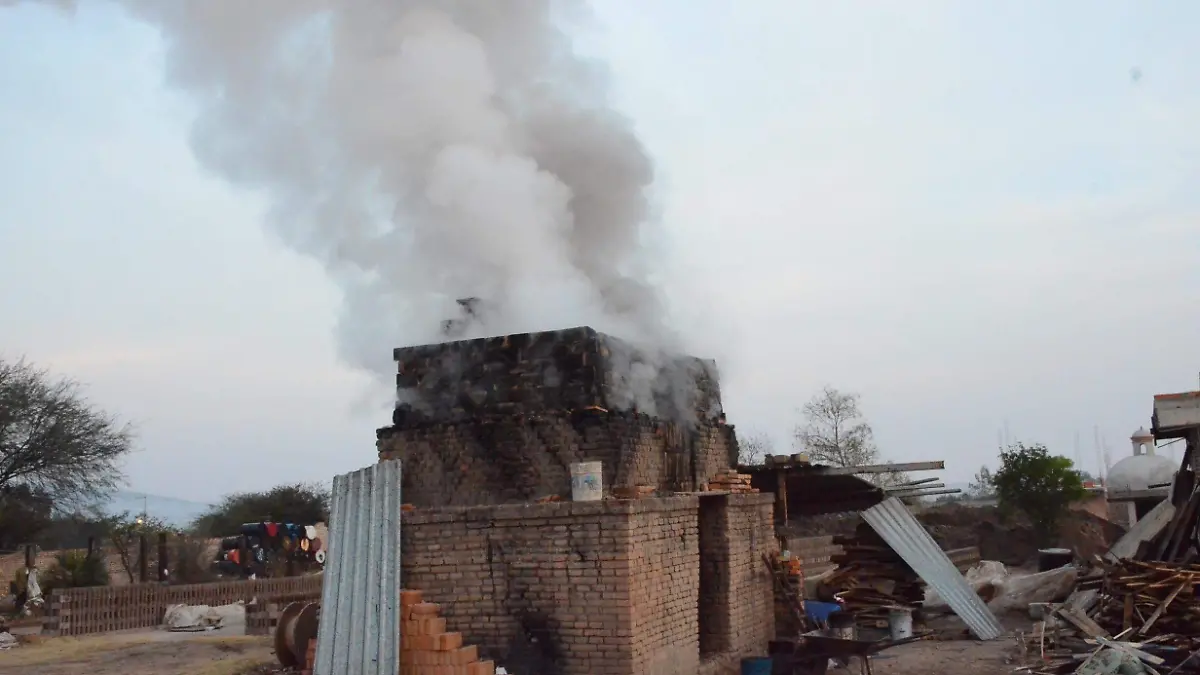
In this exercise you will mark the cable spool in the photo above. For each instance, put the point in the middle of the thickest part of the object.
(320, 557)
(297, 625)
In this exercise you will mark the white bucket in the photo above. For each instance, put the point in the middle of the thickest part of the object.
(587, 481)
(900, 623)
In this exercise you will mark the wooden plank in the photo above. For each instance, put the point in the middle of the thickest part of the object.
(1163, 606)
(1143, 530)
(1083, 622)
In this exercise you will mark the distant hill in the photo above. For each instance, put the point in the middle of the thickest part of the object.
(177, 512)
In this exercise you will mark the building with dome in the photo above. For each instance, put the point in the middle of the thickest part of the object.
(1143, 479)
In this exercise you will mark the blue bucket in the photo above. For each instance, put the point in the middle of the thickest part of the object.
(756, 666)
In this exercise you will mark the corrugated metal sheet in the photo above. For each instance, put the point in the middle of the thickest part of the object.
(360, 599)
(893, 521)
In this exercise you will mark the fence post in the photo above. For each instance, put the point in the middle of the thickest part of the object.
(30, 555)
(143, 572)
(91, 547)
(163, 566)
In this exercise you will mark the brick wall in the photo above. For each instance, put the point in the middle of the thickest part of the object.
(737, 603)
(515, 459)
(556, 571)
(610, 587)
(665, 582)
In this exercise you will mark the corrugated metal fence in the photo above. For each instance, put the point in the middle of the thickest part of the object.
(360, 606)
(908, 538)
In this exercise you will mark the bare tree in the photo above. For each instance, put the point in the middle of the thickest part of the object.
(53, 441)
(834, 431)
(754, 448)
(983, 486)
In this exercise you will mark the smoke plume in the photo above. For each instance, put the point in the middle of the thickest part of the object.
(424, 151)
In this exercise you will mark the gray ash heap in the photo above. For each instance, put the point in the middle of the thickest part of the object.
(563, 370)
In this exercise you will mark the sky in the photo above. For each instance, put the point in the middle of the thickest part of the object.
(977, 216)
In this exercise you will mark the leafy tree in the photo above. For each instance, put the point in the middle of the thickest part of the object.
(754, 448)
(53, 441)
(834, 432)
(1038, 484)
(299, 503)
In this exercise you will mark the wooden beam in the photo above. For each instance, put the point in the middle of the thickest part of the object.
(879, 468)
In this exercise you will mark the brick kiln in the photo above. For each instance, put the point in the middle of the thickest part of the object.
(662, 585)
(501, 420)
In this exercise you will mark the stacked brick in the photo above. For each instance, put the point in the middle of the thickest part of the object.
(426, 648)
(729, 480)
(529, 373)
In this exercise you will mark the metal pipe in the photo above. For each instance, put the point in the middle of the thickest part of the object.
(925, 493)
(906, 486)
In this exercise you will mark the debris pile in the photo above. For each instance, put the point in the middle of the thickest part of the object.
(871, 577)
(1138, 609)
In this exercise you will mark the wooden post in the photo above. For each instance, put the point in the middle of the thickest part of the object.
(91, 550)
(143, 563)
(164, 574)
(781, 515)
(30, 555)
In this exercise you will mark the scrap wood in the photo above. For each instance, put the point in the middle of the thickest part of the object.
(1162, 607)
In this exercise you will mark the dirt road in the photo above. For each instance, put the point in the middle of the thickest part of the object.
(138, 654)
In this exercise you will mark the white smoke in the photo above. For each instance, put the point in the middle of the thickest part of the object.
(424, 151)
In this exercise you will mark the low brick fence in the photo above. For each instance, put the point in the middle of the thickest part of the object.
(81, 611)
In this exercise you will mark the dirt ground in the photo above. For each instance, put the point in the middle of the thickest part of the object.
(138, 654)
(169, 654)
(955, 657)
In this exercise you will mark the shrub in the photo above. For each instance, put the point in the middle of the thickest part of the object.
(192, 561)
(74, 569)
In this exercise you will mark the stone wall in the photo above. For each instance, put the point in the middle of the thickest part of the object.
(513, 459)
(529, 373)
(604, 588)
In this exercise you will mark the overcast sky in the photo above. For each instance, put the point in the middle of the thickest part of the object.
(977, 215)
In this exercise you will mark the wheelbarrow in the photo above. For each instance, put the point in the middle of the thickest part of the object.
(826, 644)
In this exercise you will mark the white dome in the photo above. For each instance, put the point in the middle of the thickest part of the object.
(1142, 435)
(1139, 472)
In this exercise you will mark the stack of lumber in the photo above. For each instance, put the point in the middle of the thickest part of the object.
(871, 577)
(729, 480)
